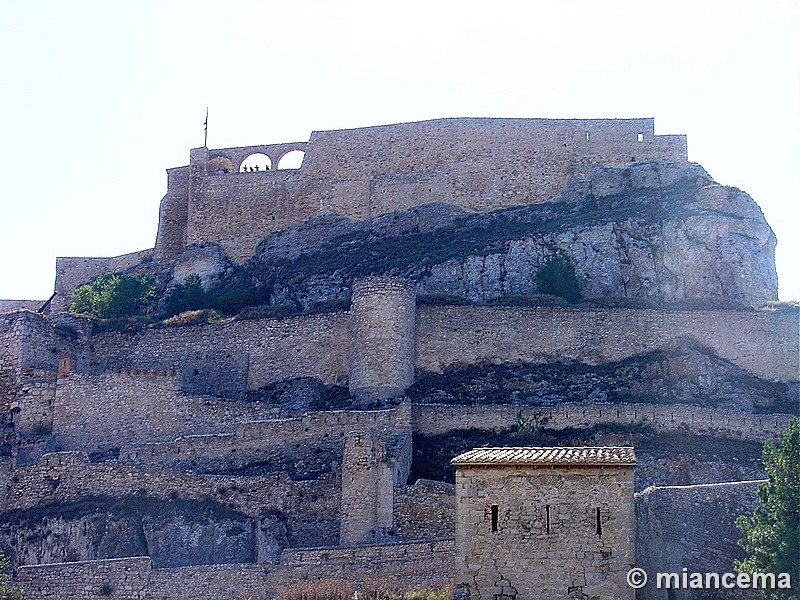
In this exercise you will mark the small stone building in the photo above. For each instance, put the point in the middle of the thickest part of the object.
(544, 523)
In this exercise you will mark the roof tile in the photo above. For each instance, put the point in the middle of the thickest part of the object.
(547, 456)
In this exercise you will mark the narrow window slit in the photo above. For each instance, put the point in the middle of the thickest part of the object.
(547, 517)
(494, 517)
(599, 525)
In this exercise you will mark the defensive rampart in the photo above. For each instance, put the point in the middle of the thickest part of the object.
(439, 419)
(763, 343)
(8, 306)
(416, 565)
(72, 272)
(65, 477)
(691, 527)
(100, 412)
(479, 164)
(317, 437)
(230, 357)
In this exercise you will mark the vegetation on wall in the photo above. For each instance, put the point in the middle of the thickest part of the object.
(114, 295)
(557, 278)
(772, 533)
(190, 295)
(8, 590)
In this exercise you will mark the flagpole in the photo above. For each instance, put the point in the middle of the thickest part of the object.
(205, 138)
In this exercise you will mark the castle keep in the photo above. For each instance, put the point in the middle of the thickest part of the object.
(397, 309)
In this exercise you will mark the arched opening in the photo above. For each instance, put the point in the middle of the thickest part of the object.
(219, 165)
(291, 160)
(255, 163)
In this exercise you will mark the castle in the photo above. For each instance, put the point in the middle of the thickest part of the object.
(237, 457)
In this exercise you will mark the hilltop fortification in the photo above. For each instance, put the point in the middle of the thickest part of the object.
(397, 300)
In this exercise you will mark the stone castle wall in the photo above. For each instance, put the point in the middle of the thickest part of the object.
(9, 306)
(313, 505)
(421, 565)
(692, 527)
(424, 510)
(441, 419)
(72, 272)
(29, 351)
(231, 357)
(113, 409)
(316, 438)
(246, 355)
(479, 164)
(763, 343)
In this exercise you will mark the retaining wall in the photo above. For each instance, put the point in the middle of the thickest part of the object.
(763, 343)
(479, 164)
(434, 419)
(692, 527)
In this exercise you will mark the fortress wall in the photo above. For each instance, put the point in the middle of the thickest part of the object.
(478, 164)
(239, 209)
(28, 359)
(311, 507)
(8, 306)
(691, 527)
(424, 510)
(272, 350)
(405, 566)
(74, 272)
(173, 215)
(36, 394)
(317, 436)
(440, 419)
(115, 579)
(100, 412)
(763, 343)
(11, 332)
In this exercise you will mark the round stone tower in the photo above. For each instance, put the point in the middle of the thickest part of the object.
(382, 337)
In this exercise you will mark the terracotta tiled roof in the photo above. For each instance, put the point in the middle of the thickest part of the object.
(550, 456)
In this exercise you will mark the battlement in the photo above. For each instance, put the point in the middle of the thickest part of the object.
(477, 164)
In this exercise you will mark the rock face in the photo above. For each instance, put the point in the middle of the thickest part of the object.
(658, 232)
(685, 375)
(190, 533)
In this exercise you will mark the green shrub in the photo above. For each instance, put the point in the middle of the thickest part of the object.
(188, 295)
(233, 300)
(557, 278)
(114, 295)
(8, 591)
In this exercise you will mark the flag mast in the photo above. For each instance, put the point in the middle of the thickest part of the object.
(205, 125)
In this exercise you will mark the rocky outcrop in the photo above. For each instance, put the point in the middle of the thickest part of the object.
(173, 534)
(686, 375)
(658, 232)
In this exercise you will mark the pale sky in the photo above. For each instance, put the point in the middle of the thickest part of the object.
(99, 98)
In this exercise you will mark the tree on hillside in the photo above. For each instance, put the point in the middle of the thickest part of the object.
(114, 295)
(772, 534)
(8, 591)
